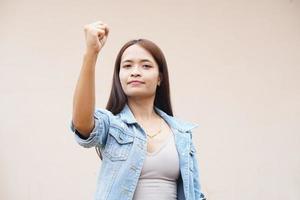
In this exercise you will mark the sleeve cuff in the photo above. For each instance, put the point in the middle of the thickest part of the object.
(93, 137)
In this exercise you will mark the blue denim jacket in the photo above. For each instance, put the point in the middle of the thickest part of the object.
(123, 145)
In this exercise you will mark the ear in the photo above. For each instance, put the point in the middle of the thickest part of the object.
(159, 79)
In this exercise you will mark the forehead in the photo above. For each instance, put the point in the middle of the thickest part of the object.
(136, 53)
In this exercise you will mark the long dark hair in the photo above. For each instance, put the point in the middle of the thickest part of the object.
(118, 98)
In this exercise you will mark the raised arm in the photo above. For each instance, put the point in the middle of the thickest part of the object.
(84, 95)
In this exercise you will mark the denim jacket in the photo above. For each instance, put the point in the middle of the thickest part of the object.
(123, 144)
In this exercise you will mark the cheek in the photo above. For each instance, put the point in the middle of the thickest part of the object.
(122, 77)
(152, 78)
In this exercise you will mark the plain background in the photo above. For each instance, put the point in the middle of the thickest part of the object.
(234, 69)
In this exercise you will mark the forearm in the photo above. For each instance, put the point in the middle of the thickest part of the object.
(84, 95)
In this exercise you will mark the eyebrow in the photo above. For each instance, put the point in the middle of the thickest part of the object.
(142, 60)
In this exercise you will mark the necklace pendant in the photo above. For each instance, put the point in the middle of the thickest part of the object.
(151, 136)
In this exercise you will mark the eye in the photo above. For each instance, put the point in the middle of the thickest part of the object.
(126, 66)
(147, 66)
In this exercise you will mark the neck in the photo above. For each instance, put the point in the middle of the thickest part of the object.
(142, 109)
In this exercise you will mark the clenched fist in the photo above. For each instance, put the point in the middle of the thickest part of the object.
(95, 35)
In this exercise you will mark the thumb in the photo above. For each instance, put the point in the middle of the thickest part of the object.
(103, 40)
(105, 35)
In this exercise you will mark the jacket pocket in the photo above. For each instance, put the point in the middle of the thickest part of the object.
(118, 144)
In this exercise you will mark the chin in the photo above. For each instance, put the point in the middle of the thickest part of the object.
(137, 94)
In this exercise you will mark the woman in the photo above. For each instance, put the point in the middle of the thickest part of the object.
(146, 153)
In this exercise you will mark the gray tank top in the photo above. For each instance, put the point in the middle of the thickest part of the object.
(160, 172)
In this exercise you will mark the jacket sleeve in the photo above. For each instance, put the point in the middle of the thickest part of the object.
(98, 135)
(197, 186)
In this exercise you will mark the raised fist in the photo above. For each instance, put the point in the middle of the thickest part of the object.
(95, 35)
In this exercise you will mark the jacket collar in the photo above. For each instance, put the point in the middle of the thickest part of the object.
(127, 116)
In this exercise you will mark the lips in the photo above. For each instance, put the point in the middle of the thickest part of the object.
(135, 82)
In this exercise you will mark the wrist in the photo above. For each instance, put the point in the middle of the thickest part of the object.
(91, 53)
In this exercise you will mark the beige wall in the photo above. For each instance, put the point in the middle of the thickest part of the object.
(234, 69)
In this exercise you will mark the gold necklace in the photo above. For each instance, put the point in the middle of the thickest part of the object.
(152, 136)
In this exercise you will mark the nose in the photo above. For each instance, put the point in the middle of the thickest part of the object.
(135, 71)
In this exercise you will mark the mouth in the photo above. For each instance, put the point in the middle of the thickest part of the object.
(135, 82)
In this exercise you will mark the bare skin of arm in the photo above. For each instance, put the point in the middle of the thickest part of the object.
(84, 94)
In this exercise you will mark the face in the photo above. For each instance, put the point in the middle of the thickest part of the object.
(139, 73)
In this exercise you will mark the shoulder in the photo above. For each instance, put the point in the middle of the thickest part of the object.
(187, 126)
(107, 116)
(182, 125)
(113, 121)
(103, 114)
(177, 122)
